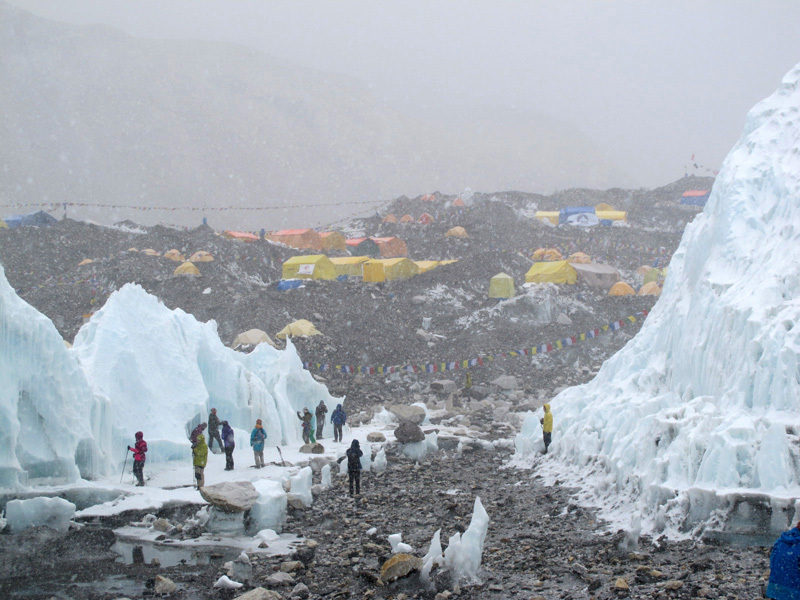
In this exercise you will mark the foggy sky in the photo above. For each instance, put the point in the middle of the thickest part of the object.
(650, 82)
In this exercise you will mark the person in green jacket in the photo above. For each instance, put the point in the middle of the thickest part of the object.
(200, 456)
(547, 426)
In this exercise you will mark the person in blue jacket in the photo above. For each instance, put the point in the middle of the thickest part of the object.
(784, 567)
(229, 441)
(257, 438)
(338, 418)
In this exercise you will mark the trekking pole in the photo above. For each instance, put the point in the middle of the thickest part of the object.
(124, 464)
(281, 455)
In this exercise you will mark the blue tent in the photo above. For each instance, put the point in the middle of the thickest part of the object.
(37, 219)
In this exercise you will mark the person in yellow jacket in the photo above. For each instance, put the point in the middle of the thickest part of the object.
(547, 426)
(200, 458)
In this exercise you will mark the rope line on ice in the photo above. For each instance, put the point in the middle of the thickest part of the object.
(440, 367)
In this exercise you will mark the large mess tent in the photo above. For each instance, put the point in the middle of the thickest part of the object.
(349, 266)
(501, 286)
(426, 265)
(391, 247)
(596, 274)
(609, 217)
(252, 337)
(333, 240)
(299, 328)
(240, 236)
(363, 247)
(302, 239)
(387, 269)
(551, 272)
(309, 266)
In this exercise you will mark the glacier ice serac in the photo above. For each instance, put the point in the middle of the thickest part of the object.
(135, 366)
(694, 422)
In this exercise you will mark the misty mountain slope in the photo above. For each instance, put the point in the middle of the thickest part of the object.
(93, 115)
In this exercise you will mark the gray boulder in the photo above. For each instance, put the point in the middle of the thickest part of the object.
(315, 448)
(232, 497)
(403, 412)
(506, 382)
(260, 594)
(408, 433)
(376, 436)
(443, 386)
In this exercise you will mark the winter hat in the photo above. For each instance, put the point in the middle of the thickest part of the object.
(338, 406)
(258, 422)
(305, 409)
(139, 435)
(203, 425)
(213, 410)
(225, 423)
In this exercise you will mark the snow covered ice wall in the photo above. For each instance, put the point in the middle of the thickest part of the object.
(52, 425)
(163, 371)
(695, 421)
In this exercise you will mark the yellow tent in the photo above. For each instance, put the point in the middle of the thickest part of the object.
(133, 249)
(547, 215)
(186, 268)
(309, 266)
(603, 207)
(551, 272)
(174, 255)
(382, 269)
(655, 275)
(501, 286)
(150, 252)
(201, 256)
(448, 262)
(547, 254)
(426, 265)
(252, 337)
(621, 289)
(611, 215)
(85, 261)
(3, 224)
(298, 328)
(579, 257)
(351, 266)
(650, 289)
(458, 232)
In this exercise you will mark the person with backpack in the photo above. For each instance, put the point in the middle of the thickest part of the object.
(784, 566)
(257, 438)
(199, 459)
(213, 430)
(354, 455)
(195, 432)
(320, 411)
(338, 418)
(230, 443)
(139, 449)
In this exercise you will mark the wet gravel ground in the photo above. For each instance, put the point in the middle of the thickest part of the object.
(539, 545)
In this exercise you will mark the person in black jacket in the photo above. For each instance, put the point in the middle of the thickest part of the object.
(354, 455)
(213, 430)
(320, 412)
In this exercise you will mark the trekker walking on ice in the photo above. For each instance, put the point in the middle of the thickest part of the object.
(257, 438)
(320, 411)
(354, 455)
(213, 430)
(229, 443)
(547, 426)
(338, 418)
(200, 458)
(306, 419)
(139, 450)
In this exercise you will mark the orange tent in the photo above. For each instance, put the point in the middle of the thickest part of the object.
(579, 257)
(201, 256)
(458, 202)
(298, 238)
(406, 219)
(547, 254)
(650, 289)
(391, 247)
(621, 289)
(242, 236)
(425, 219)
(389, 219)
(429, 198)
(175, 255)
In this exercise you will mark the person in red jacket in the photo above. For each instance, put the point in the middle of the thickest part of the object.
(139, 450)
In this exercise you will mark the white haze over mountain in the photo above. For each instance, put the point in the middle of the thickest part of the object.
(693, 424)
(92, 115)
